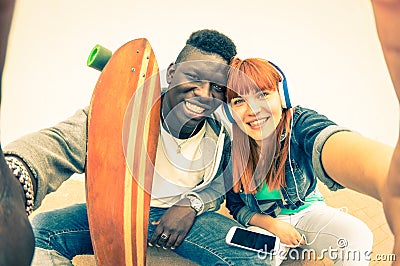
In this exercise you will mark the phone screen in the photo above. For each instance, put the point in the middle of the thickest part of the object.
(253, 240)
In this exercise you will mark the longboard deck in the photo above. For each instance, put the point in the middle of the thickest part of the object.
(123, 132)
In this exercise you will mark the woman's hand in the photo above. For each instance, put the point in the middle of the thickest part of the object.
(287, 233)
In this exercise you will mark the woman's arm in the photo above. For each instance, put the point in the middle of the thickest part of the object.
(357, 162)
(238, 209)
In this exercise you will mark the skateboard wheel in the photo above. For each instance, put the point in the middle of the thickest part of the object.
(98, 57)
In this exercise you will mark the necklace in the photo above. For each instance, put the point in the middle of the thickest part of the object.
(179, 145)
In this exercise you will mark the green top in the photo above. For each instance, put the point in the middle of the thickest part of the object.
(275, 194)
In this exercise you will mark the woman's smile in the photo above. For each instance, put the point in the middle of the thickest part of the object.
(257, 124)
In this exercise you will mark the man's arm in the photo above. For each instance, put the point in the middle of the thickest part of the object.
(357, 162)
(53, 154)
(387, 18)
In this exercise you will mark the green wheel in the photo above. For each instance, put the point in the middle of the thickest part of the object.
(98, 57)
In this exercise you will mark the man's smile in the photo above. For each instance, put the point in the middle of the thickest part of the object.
(194, 108)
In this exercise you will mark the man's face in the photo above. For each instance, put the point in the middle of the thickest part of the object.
(196, 88)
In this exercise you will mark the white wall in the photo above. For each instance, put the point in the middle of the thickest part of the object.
(328, 49)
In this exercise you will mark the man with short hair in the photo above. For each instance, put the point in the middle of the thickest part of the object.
(188, 182)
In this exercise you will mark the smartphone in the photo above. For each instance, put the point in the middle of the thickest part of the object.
(250, 240)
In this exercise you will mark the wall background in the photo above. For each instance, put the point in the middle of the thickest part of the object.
(328, 49)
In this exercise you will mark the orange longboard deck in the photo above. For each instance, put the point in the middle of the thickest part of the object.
(123, 130)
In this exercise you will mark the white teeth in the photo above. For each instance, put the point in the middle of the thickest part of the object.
(194, 108)
(258, 122)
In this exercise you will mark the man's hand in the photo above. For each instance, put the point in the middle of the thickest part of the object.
(174, 225)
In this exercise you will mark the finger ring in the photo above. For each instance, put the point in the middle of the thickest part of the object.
(164, 236)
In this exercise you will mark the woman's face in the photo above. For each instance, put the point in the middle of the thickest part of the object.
(257, 114)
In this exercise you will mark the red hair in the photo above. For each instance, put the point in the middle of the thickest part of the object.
(250, 168)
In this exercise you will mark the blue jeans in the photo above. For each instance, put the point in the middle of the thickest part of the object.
(62, 234)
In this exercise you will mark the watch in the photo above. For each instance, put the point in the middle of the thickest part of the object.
(195, 203)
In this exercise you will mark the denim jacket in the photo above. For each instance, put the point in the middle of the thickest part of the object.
(308, 135)
(54, 154)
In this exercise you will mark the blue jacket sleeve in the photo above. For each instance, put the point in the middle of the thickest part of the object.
(238, 209)
(311, 131)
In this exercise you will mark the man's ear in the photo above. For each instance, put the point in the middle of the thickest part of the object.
(170, 72)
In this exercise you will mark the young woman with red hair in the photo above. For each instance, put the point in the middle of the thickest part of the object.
(280, 151)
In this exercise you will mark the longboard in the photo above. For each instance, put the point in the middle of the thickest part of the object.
(123, 128)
